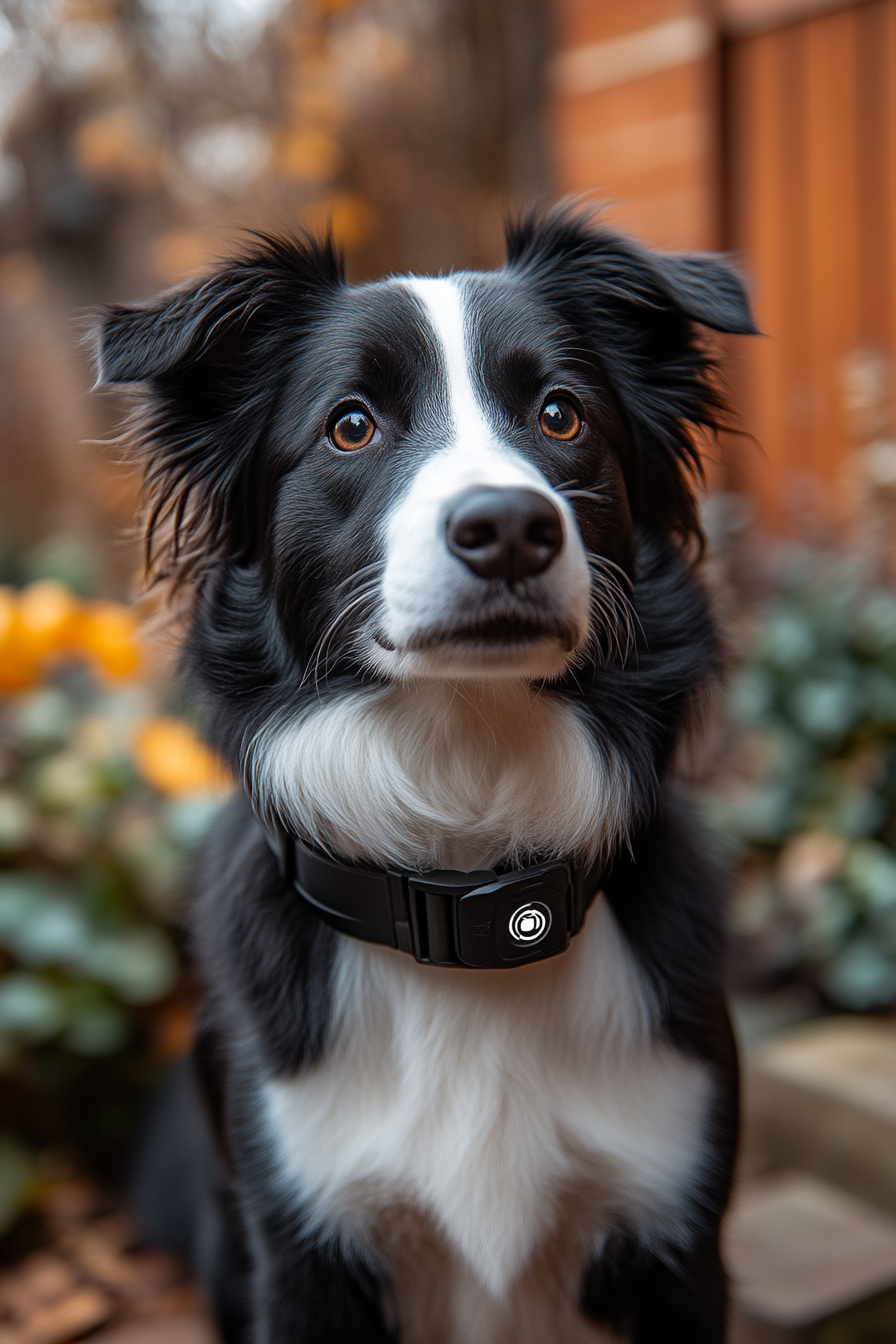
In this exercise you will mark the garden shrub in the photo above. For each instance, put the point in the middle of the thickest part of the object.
(102, 800)
(811, 798)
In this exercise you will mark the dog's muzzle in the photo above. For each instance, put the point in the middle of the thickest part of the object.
(482, 919)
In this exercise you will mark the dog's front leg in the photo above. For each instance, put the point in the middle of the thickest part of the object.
(679, 1298)
(267, 960)
(305, 1291)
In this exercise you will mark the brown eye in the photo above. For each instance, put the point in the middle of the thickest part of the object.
(559, 419)
(352, 430)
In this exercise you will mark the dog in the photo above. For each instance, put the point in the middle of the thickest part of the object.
(465, 1066)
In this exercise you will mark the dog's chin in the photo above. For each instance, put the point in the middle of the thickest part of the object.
(497, 649)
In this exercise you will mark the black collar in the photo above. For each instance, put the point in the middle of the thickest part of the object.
(446, 918)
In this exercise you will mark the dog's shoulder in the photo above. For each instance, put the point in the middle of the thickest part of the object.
(265, 958)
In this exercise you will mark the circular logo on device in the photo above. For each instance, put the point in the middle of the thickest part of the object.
(529, 923)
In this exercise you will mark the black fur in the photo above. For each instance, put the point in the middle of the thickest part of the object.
(259, 527)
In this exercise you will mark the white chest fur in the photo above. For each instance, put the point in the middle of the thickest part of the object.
(511, 1111)
(436, 775)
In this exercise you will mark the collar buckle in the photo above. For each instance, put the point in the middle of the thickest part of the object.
(490, 920)
(481, 919)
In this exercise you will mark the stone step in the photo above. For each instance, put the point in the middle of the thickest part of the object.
(809, 1265)
(821, 1097)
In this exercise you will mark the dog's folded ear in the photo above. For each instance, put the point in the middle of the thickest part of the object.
(220, 317)
(189, 326)
(707, 288)
(207, 362)
(639, 313)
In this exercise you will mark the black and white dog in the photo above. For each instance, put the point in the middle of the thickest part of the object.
(465, 1047)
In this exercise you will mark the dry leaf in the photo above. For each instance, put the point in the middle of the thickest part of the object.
(42, 1279)
(74, 1315)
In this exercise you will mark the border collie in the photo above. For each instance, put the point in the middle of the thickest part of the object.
(464, 1053)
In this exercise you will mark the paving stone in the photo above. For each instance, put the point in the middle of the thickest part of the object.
(42, 1278)
(822, 1098)
(810, 1263)
(195, 1328)
(71, 1316)
(758, 1016)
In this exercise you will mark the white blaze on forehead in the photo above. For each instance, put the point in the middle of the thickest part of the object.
(424, 586)
(443, 300)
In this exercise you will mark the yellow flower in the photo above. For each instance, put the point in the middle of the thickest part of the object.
(106, 632)
(46, 621)
(48, 611)
(171, 758)
(18, 665)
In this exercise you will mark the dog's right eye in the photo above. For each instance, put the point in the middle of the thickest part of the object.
(559, 419)
(352, 430)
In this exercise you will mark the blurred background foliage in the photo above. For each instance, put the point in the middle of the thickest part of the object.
(813, 799)
(103, 797)
(803, 793)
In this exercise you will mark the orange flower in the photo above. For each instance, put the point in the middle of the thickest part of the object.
(48, 611)
(18, 664)
(171, 758)
(175, 1030)
(106, 632)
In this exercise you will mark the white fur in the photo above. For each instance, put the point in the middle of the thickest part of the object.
(509, 1112)
(443, 302)
(441, 775)
(424, 585)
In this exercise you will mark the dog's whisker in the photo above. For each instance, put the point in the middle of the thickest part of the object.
(319, 648)
(613, 615)
(602, 562)
(367, 592)
(375, 567)
(611, 576)
(583, 494)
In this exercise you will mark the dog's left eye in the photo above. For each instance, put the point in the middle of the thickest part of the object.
(352, 430)
(559, 419)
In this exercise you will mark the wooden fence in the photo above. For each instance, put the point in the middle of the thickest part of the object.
(766, 126)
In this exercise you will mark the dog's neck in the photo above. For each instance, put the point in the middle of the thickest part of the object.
(443, 775)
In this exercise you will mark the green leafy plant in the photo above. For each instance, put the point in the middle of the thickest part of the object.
(811, 796)
(101, 803)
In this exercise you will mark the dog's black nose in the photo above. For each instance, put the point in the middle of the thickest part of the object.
(507, 534)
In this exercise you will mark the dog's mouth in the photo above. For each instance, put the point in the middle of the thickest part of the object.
(496, 632)
(502, 638)
(488, 635)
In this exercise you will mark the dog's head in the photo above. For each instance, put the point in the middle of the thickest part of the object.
(432, 477)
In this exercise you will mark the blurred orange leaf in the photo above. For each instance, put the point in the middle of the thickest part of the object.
(115, 145)
(315, 102)
(351, 219)
(172, 759)
(106, 632)
(175, 1030)
(310, 157)
(48, 611)
(18, 666)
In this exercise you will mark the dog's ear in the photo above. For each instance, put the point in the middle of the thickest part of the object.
(707, 288)
(207, 363)
(638, 313)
